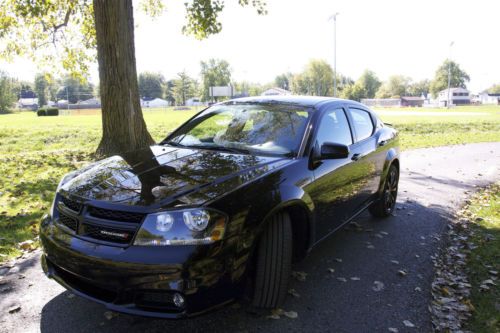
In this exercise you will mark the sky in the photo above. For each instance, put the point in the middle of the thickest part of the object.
(389, 37)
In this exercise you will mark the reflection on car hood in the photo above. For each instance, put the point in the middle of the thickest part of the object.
(166, 176)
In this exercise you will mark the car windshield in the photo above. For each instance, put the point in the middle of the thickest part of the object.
(275, 129)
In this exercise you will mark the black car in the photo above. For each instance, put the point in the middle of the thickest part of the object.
(222, 207)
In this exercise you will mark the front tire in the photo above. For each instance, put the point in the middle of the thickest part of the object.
(274, 262)
(385, 205)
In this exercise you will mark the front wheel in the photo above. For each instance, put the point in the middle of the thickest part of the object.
(385, 205)
(274, 262)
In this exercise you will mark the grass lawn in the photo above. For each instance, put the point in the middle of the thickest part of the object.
(484, 261)
(35, 152)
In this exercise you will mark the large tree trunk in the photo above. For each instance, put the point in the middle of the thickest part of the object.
(123, 126)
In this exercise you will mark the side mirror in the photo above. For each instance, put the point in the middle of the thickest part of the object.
(331, 151)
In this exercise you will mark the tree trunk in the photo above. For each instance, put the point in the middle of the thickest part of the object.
(123, 126)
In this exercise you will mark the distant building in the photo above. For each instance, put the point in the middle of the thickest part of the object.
(28, 103)
(485, 98)
(195, 101)
(275, 92)
(458, 96)
(155, 103)
(412, 101)
(382, 102)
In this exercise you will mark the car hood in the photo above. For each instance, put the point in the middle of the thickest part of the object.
(165, 176)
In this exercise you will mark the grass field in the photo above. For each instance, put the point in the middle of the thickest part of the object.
(35, 152)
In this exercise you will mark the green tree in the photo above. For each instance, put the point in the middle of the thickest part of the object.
(395, 87)
(316, 79)
(214, 72)
(369, 83)
(7, 96)
(41, 89)
(151, 85)
(284, 81)
(69, 33)
(458, 77)
(419, 88)
(494, 89)
(184, 88)
(74, 90)
(169, 91)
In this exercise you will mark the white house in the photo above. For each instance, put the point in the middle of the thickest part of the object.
(195, 101)
(28, 103)
(275, 92)
(458, 96)
(485, 98)
(155, 103)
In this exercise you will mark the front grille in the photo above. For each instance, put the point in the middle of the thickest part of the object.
(71, 204)
(69, 222)
(107, 234)
(115, 215)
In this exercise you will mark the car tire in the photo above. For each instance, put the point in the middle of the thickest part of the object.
(274, 262)
(384, 206)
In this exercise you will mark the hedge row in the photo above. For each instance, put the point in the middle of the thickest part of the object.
(47, 112)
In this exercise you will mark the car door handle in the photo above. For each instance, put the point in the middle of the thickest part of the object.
(382, 143)
(356, 156)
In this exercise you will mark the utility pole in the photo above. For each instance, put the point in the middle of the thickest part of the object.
(334, 18)
(449, 76)
(67, 98)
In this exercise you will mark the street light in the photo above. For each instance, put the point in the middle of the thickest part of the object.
(334, 18)
(449, 76)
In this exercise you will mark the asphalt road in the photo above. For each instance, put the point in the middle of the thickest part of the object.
(433, 184)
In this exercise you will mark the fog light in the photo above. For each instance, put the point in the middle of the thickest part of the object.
(178, 300)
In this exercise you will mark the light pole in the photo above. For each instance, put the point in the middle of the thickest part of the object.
(334, 18)
(449, 76)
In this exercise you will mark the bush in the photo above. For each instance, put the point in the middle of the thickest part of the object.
(47, 111)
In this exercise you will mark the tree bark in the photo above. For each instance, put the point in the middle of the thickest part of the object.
(123, 126)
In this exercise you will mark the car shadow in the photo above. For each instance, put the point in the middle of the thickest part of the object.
(339, 292)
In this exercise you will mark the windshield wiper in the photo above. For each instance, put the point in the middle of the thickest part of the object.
(172, 143)
(224, 148)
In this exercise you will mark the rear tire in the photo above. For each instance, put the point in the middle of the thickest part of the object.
(384, 206)
(274, 262)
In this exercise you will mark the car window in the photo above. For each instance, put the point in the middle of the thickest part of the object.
(334, 128)
(362, 123)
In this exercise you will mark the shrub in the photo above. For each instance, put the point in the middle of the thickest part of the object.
(47, 111)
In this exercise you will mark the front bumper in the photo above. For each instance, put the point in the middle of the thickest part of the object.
(142, 280)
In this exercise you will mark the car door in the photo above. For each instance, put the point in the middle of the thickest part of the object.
(332, 191)
(366, 154)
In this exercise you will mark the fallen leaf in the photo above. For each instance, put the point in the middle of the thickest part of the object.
(393, 330)
(290, 314)
(341, 279)
(355, 278)
(294, 293)
(402, 272)
(371, 247)
(300, 276)
(395, 262)
(384, 233)
(377, 286)
(408, 323)
(331, 270)
(338, 260)
(71, 295)
(110, 315)
(14, 309)
(418, 289)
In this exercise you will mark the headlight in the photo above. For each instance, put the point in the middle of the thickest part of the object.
(184, 227)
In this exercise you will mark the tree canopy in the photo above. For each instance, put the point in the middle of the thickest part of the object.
(184, 88)
(494, 89)
(214, 72)
(396, 86)
(7, 96)
(459, 77)
(74, 90)
(151, 85)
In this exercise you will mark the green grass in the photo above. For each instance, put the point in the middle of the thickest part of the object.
(35, 152)
(484, 211)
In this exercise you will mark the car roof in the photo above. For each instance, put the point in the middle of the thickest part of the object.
(307, 101)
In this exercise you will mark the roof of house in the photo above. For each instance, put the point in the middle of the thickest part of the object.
(277, 90)
(458, 89)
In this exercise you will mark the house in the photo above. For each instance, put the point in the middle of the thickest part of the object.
(486, 98)
(92, 103)
(155, 103)
(412, 101)
(382, 102)
(195, 101)
(28, 103)
(275, 92)
(458, 96)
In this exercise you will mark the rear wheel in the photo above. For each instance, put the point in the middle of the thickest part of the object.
(274, 262)
(385, 205)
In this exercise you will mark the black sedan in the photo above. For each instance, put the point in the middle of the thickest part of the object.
(222, 207)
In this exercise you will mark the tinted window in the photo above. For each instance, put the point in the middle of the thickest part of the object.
(334, 128)
(362, 123)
